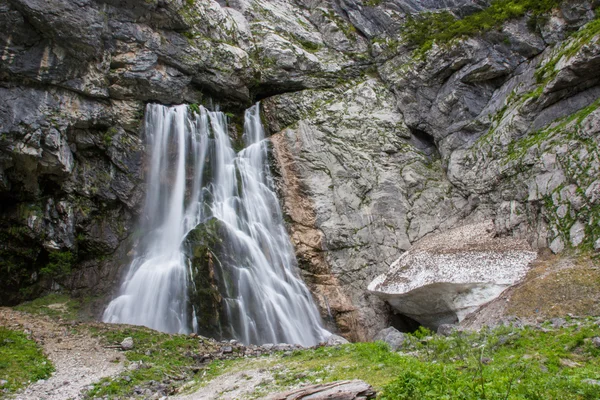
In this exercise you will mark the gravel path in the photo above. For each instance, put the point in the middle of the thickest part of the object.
(79, 359)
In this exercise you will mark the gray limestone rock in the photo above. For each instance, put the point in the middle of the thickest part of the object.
(369, 202)
(127, 344)
(394, 338)
(347, 390)
(446, 329)
(376, 148)
(336, 340)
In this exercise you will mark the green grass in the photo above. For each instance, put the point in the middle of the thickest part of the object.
(584, 36)
(21, 361)
(507, 363)
(442, 27)
(161, 355)
(53, 305)
(504, 364)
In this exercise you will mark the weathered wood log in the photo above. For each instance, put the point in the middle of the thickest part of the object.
(340, 390)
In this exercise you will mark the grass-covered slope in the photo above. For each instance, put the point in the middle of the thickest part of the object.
(21, 361)
(552, 360)
(506, 363)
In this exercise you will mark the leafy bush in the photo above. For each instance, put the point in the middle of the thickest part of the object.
(59, 265)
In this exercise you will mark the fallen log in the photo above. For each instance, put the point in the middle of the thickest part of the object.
(340, 390)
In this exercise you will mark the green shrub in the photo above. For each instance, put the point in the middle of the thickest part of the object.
(59, 265)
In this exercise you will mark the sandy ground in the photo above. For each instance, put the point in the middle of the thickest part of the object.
(79, 359)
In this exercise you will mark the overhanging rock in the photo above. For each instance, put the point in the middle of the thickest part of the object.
(446, 276)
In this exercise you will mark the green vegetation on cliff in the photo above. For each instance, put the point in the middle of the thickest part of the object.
(421, 31)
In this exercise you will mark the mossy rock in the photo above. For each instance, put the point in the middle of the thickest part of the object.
(205, 301)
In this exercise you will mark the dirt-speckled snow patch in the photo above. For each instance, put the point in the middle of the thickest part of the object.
(446, 276)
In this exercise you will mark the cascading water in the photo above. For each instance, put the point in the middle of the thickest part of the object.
(205, 202)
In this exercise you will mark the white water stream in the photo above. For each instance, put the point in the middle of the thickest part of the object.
(195, 175)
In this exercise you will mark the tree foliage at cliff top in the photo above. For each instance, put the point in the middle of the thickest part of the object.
(426, 28)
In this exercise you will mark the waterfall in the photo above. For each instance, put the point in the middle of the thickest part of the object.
(216, 257)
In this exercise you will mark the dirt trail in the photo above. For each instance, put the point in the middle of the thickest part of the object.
(79, 358)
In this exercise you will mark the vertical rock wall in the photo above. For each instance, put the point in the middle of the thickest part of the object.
(376, 146)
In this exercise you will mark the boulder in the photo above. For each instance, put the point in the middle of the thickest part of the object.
(335, 340)
(446, 276)
(446, 329)
(127, 344)
(392, 336)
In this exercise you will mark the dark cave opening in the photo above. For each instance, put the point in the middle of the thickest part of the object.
(424, 142)
(404, 323)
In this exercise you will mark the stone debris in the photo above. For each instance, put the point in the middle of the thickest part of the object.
(446, 329)
(594, 382)
(79, 359)
(335, 340)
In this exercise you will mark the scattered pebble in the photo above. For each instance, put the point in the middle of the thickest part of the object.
(127, 344)
(594, 382)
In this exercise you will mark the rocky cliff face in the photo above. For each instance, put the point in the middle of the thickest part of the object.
(375, 145)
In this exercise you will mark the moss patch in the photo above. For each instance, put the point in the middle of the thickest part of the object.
(557, 286)
(53, 305)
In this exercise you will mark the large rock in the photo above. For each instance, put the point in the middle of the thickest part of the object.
(376, 148)
(357, 191)
(392, 336)
(446, 276)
